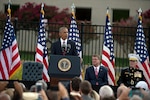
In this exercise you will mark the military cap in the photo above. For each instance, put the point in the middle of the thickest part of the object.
(133, 56)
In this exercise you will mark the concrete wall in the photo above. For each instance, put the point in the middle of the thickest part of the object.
(98, 6)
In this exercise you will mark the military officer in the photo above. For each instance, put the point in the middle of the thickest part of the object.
(131, 75)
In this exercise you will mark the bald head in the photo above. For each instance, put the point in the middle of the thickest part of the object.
(4, 96)
(120, 89)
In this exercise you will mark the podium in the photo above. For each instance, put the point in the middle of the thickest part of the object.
(63, 68)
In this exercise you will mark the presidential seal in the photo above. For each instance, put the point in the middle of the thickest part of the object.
(64, 64)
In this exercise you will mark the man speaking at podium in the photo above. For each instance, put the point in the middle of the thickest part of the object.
(64, 46)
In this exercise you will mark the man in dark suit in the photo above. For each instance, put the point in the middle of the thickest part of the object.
(64, 46)
(131, 75)
(96, 74)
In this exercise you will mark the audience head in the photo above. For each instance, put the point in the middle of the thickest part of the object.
(136, 97)
(9, 91)
(106, 92)
(75, 83)
(136, 91)
(146, 95)
(120, 89)
(52, 95)
(94, 95)
(122, 92)
(33, 88)
(4, 96)
(44, 84)
(23, 86)
(85, 87)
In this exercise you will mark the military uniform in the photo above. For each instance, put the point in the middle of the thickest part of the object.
(130, 76)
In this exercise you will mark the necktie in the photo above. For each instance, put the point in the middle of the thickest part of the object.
(96, 72)
(64, 48)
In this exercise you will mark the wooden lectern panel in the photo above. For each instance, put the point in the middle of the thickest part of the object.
(54, 81)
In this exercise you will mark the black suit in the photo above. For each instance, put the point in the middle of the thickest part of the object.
(102, 76)
(56, 48)
(130, 77)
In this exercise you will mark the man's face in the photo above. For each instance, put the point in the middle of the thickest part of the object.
(132, 63)
(64, 34)
(95, 61)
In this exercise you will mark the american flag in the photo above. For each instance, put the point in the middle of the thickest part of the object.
(9, 55)
(108, 59)
(41, 49)
(74, 35)
(140, 49)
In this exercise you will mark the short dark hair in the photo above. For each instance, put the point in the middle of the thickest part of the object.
(96, 55)
(75, 83)
(85, 87)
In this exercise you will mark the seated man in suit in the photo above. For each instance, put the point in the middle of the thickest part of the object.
(64, 46)
(96, 74)
(131, 75)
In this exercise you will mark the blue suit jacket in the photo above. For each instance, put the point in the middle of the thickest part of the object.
(102, 76)
(57, 50)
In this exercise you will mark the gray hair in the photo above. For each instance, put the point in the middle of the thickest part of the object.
(106, 91)
(44, 84)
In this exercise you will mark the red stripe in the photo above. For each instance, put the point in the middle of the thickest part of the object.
(109, 71)
(45, 63)
(38, 60)
(14, 68)
(147, 73)
(106, 65)
(39, 51)
(14, 47)
(106, 54)
(5, 59)
(146, 69)
(2, 71)
(15, 57)
(44, 77)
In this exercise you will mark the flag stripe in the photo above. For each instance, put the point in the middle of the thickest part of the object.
(108, 52)
(140, 49)
(109, 65)
(9, 55)
(41, 49)
(2, 72)
(74, 35)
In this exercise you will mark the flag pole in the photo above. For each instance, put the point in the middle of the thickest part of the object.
(73, 10)
(8, 9)
(140, 12)
(42, 10)
(107, 10)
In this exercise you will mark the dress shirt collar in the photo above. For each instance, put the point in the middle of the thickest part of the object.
(97, 68)
(61, 40)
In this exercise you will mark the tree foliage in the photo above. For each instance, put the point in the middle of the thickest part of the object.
(31, 12)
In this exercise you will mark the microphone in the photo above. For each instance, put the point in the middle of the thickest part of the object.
(68, 47)
(63, 48)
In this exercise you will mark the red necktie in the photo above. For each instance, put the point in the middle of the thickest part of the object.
(96, 72)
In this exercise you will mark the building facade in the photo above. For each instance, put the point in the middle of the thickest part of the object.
(96, 9)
